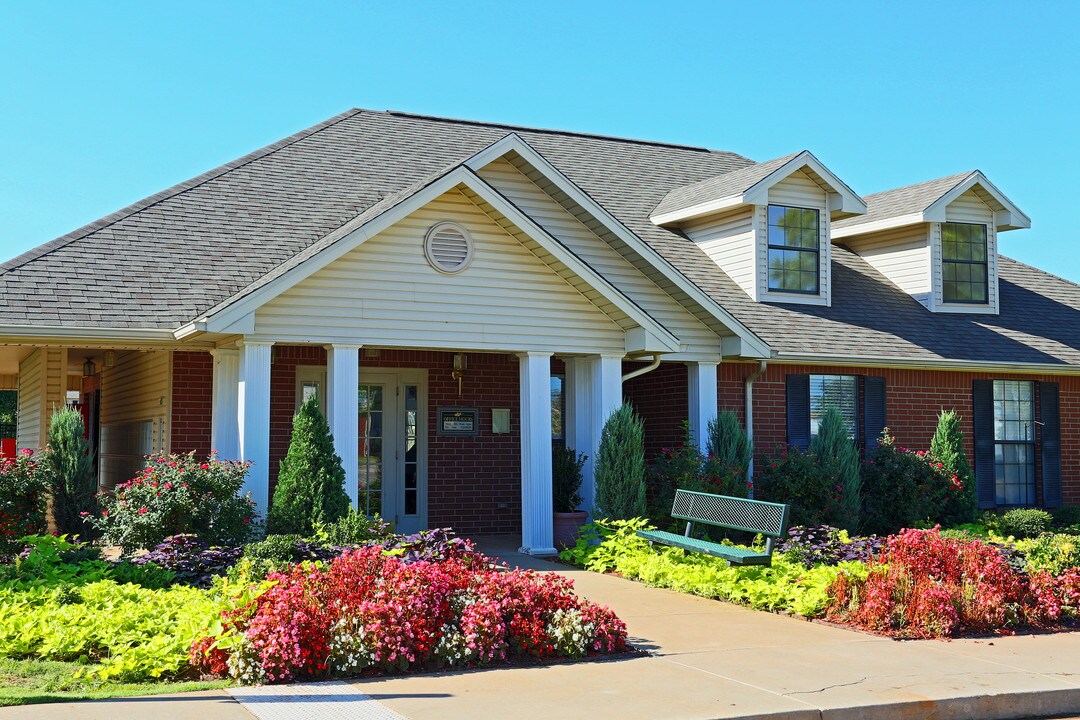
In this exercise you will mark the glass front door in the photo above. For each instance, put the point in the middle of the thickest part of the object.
(393, 447)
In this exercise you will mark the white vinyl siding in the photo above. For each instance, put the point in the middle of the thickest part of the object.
(901, 255)
(28, 434)
(135, 408)
(796, 190)
(728, 239)
(385, 292)
(968, 208)
(527, 195)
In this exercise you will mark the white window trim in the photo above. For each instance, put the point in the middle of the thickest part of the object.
(760, 223)
(936, 302)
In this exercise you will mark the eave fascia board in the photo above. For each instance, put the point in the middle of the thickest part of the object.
(1016, 219)
(878, 225)
(58, 332)
(514, 142)
(925, 364)
(694, 211)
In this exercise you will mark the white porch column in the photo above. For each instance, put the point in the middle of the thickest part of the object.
(343, 410)
(224, 430)
(701, 390)
(597, 394)
(253, 418)
(536, 508)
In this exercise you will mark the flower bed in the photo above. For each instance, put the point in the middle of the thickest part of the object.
(369, 611)
(926, 585)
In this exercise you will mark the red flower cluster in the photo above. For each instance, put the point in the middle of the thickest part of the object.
(368, 610)
(925, 585)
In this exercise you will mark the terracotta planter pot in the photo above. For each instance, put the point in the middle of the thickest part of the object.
(567, 526)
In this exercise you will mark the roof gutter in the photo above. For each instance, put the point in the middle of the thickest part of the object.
(641, 371)
(56, 332)
(926, 364)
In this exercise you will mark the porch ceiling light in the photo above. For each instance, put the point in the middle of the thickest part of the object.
(460, 363)
(110, 358)
(88, 368)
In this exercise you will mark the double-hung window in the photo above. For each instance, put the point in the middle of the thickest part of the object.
(794, 250)
(834, 392)
(964, 264)
(1014, 442)
(860, 400)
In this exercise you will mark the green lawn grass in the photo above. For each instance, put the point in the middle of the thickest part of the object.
(27, 682)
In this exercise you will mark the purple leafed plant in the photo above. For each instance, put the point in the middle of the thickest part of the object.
(193, 562)
(822, 545)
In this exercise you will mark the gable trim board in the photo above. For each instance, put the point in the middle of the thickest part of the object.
(753, 346)
(841, 199)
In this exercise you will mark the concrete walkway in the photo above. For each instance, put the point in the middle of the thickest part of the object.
(707, 659)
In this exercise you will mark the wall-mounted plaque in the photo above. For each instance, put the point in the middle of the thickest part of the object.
(457, 421)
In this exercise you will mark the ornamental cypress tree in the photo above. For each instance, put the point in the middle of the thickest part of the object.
(947, 448)
(728, 451)
(311, 483)
(620, 466)
(839, 459)
(68, 468)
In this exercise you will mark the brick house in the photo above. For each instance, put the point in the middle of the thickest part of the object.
(460, 295)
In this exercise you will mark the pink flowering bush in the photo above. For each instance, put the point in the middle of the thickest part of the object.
(926, 585)
(23, 499)
(174, 495)
(368, 611)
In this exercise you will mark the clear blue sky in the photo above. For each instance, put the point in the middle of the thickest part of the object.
(103, 103)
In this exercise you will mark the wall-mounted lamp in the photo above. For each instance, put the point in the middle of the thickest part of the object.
(460, 363)
(88, 369)
(110, 358)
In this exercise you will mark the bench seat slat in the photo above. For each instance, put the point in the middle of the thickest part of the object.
(734, 555)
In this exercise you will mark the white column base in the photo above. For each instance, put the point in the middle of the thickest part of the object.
(701, 392)
(537, 516)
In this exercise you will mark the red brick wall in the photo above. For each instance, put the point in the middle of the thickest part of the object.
(660, 398)
(913, 400)
(192, 396)
(474, 483)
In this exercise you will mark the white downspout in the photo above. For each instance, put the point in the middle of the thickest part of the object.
(641, 371)
(749, 385)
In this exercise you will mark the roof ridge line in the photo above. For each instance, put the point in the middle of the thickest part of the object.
(553, 131)
(172, 191)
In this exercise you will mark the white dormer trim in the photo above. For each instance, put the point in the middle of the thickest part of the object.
(1007, 216)
(842, 200)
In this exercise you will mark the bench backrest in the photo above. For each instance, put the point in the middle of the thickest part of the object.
(754, 516)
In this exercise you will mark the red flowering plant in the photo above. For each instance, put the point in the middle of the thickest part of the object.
(368, 611)
(926, 585)
(177, 494)
(23, 500)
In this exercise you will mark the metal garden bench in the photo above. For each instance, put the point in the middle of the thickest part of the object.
(755, 516)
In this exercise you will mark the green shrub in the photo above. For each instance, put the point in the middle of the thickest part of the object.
(52, 561)
(1024, 523)
(176, 495)
(1067, 519)
(67, 465)
(147, 575)
(901, 489)
(620, 466)
(311, 484)
(727, 455)
(23, 501)
(784, 586)
(1055, 553)
(839, 460)
(947, 448)
(795, 477)
(352, 528)
(566, 464)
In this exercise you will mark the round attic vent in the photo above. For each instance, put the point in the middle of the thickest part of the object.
(448, 247)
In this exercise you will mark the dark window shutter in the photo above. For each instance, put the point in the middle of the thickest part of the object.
(798, 411)
(1049, 416)
(873, 401)
(985, 485)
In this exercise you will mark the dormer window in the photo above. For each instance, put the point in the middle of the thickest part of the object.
(794, 250)
(964, 263)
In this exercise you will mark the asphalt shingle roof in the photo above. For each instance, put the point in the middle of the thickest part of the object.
(721, 186)
(904, 200)
(167, 260)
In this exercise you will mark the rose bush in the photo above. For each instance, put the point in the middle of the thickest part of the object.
(175, 495)
(23, 501)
